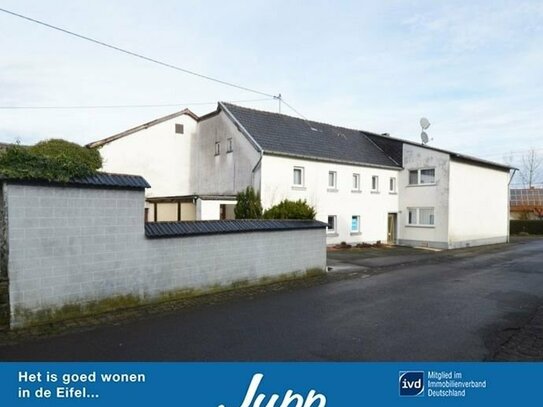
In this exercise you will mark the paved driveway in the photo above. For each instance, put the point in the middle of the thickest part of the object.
(400, 304)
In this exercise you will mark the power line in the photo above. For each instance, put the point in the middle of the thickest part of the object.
(134, 54)
(74, 107)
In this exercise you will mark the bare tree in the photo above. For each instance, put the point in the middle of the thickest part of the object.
(530, 168)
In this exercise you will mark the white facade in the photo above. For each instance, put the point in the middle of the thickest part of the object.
(343, 201)
(429, 200)
(478, 209)
(468, 202)
(158, 153)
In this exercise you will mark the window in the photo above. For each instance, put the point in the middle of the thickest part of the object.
(229, 146)
(356, 182)
(298, 177)
(179, 129)
(413, 177)
(392, 184)
(424, 176)
(332, 179)
(412, 217)
(217, 148)
(332, 220)
(428, 176)
(420, 216)
(355, 224)
(426, 216)
(375, 183)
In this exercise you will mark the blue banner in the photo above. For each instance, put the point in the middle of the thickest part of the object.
(269, 384)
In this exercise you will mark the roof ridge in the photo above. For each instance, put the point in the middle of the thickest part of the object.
(296, 118)
(143, 126)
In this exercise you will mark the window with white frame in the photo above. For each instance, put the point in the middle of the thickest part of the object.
(392, 184)
(423, 176)
(332, 224)
(375, 183)
(217, 148)
(298, 176)
(355, 224)
(332, 180)
(229, 145)
(356, 182)
(420, 216)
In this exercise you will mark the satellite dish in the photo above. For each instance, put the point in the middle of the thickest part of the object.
(424, 123)
(424, 137)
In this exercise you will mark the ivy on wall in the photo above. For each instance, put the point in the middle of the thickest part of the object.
(51, 160)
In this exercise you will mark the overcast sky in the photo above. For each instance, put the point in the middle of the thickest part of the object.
(474, 68)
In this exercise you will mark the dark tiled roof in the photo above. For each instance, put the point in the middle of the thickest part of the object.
(212, 227)
(393, 147)
(99, 180)
(291, 136)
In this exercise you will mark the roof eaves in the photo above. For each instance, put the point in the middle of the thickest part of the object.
(100, 143)
(452, 154)
(242, 129)
(330, 160)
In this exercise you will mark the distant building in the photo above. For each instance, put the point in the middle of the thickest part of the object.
(367, 187)
(526, 203)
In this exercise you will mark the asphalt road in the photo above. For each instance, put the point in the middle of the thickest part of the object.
(398, 305)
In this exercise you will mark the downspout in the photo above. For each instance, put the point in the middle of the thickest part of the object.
(254, 170)
(509, 205)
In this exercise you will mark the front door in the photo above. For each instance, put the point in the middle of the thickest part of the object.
(391, 235)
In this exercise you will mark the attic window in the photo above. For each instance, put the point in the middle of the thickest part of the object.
(179, 129)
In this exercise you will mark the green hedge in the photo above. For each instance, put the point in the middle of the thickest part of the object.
(290, 210)
(51, 160)
(532, 227)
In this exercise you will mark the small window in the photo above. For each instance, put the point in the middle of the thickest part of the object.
(355, 224)
(420, 216)
(356, 182)
(375, 183)
(217, 148)
(428, 176)
(332, 179)
(229, 145)
(392, 184)
(412, 217)
(426, 216)
(179, 128)
(413, 177)
(332, 219)
(298, 177)
(424, 176)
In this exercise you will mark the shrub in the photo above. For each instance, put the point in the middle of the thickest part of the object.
(52, 160)
(248, 204)
(68, 151)
(286, 209)
(524, 227)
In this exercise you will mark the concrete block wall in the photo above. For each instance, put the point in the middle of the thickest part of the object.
(76, 246)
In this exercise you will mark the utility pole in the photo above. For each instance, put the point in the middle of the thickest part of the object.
(278, 97)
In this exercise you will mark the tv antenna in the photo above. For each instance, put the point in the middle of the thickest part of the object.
(424, 124)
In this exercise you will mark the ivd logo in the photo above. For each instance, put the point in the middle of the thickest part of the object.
(412, 384)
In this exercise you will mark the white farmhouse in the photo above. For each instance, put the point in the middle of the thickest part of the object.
(367, 187)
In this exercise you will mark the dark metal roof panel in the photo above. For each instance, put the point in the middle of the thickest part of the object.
(113, 180)
(98, 180)
(211, 227)
(279, 133)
